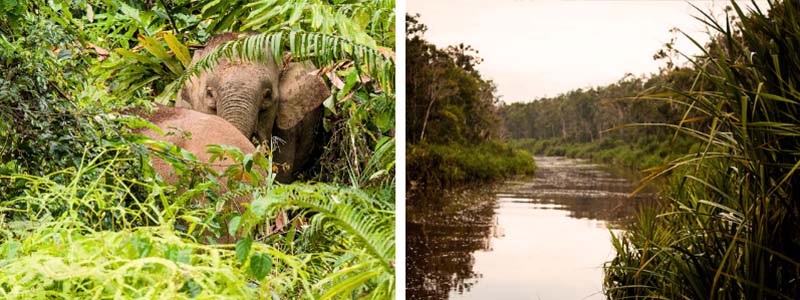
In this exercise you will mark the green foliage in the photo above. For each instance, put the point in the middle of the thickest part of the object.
(642, 154)
(730, 228)
(53, 236)
(44, 121)
(451, 117)
(447, 99)
(445, 165)
(601, 113)
(366, 22)
(84, 215)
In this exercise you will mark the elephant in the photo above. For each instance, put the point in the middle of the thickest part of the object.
(205, 130)
(263, 100)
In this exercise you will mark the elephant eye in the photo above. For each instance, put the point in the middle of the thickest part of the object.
(268, 94)
(209, 93)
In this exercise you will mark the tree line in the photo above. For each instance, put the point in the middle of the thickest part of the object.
(447, 99)
(453, 121)
(589, 115)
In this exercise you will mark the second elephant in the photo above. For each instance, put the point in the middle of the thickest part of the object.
(263, 100)
(194, 131)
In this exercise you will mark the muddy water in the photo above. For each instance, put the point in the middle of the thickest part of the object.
(545, 237)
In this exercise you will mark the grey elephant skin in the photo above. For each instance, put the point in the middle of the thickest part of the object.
(262, 100)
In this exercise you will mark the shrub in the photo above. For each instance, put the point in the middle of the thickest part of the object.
(445, 165)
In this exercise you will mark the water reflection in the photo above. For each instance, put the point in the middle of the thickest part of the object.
(443, 231)
(541, 238)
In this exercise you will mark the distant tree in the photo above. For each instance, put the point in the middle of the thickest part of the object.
(447, 100)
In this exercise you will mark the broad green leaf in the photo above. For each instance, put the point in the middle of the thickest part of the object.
(349, 284)
(156, 49)
(243, 248)
(130, 55)
(10, 249)
(259, 205)
(153, 46)
(142, 246)
(180, 51)
(177, 254)
(349, 82)
(247, 161)
(233, 225)
(260, 265)
(330, 104)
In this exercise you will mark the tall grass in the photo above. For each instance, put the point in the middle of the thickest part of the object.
(731, 229)
(94, 232)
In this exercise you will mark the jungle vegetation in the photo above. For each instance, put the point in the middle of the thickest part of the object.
(729, 230)
(453, 124)
(606, 123)
(723, 131)
(84, 216)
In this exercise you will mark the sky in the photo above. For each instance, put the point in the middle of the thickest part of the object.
(542, 48)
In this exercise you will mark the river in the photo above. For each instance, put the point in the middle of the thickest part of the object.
(544, 237)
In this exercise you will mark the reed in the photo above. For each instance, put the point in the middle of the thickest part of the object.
(730, 229)
(90, 233)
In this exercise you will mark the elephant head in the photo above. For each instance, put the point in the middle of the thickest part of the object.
(261, 99)
(239, 92)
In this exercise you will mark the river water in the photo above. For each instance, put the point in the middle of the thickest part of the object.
(544, 237)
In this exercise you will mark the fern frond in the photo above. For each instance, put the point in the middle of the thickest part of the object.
(362, 22)
(351, 210)
(322, 49)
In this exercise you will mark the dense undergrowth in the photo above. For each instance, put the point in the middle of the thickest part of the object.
(729, 230)
(453, 125)
(83, 215)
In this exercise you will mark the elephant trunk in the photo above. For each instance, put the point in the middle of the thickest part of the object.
(238, 107)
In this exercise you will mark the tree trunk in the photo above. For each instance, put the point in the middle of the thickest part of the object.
(425, 121)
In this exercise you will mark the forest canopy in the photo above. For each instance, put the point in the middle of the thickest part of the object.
(606, 123)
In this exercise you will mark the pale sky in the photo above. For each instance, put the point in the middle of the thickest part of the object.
(537, 48)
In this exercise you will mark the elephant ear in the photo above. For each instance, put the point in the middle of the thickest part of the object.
(301, 91)
(184, 97)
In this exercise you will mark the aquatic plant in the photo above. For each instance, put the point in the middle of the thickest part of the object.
(730, 231)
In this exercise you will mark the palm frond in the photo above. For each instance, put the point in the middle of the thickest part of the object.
(322, 49)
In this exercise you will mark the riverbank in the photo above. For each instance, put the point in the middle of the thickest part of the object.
(644, 153)
(452, 164)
